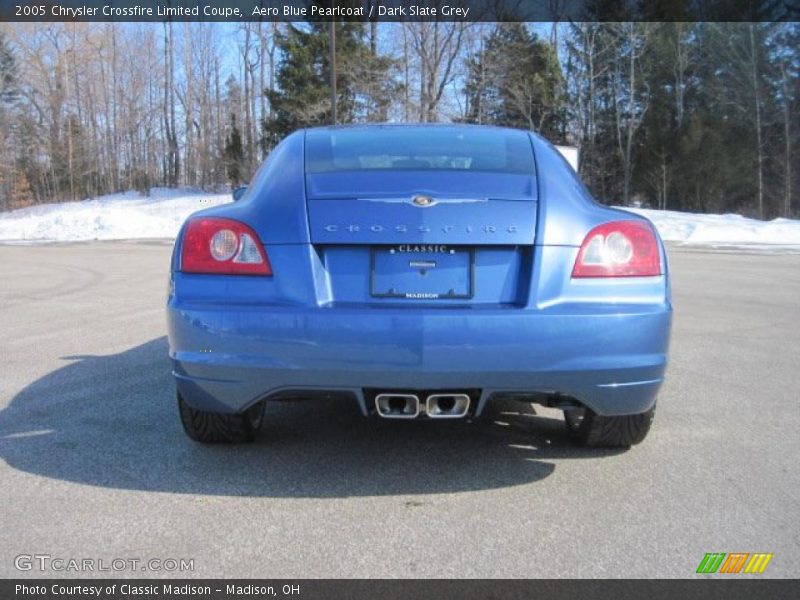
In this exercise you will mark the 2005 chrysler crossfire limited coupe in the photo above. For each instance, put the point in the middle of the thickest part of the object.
(423, 271)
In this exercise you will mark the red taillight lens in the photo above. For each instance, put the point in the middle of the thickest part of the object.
(619, 249)
(222, 246)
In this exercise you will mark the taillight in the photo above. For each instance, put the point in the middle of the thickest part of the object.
(619, 249)
(222, 246)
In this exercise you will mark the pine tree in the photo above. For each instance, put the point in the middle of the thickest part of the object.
(234, 154)
(8, 93)
(516, 81)
(364, 87)
(8, 73)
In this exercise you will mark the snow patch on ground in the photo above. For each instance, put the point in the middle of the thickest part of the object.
(130, 215)
(721, 231)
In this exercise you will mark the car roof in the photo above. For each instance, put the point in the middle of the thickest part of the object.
(412, 126)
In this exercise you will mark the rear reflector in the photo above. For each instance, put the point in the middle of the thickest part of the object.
(619, 249)
(222, 246)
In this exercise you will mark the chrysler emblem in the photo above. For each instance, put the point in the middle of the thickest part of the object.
(422, 201)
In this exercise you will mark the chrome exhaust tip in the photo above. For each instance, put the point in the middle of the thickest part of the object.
(397, 406)
(447, 406)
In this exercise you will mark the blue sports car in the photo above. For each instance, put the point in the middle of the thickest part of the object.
(422, 271)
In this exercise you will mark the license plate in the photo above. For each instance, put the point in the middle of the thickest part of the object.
(422, 272)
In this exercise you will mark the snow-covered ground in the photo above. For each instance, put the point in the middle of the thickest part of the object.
(115, 217)
(721, 231)
(132, 216)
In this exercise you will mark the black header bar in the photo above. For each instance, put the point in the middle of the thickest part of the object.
(398, 10)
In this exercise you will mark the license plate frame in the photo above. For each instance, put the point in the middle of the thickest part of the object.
(455, 263)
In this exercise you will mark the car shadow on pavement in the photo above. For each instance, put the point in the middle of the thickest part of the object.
(111, 421)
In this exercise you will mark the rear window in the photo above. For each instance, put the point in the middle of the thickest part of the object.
(418, 148)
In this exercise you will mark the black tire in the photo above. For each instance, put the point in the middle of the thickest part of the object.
(587, 428)
(220, 428)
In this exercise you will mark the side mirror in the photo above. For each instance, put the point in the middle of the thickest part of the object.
(238, 193)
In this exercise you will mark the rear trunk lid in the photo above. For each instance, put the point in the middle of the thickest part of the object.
(421, 207)
(418, 214)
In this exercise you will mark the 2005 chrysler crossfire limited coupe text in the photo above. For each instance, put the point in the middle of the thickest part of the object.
(422, 271)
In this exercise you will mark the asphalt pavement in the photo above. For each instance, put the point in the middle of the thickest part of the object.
(95, 464)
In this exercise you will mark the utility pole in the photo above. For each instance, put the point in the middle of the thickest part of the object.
(333, 70)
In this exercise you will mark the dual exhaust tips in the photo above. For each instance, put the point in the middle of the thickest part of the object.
(409, 406)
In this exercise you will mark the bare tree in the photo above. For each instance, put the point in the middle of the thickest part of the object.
(172, 158)
(740, 48)
(787, 137)
(754, 78)
(589, 50)
(437, 46)
(630, 95)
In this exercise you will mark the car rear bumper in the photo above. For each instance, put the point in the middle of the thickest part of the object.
(610, 357)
